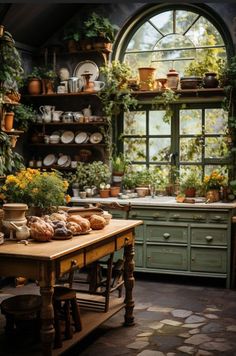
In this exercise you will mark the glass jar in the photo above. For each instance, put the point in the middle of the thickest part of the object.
(172, 79)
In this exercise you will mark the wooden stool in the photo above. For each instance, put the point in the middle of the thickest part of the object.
(20, 309)
(65, 305)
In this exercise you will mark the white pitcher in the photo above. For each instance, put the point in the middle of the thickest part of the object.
(56, 115)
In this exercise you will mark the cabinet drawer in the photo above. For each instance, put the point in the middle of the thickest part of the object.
(148, 214)
(208, 260)
(172, 234)
(138, 256)
(205, 236)
(118, 214)
(218, 217)
(167, 257)
(187, 216)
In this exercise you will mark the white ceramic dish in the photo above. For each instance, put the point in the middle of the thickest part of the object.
(62, 160)
(96, 137)
(81, 137)
(49, 160)
(87, 67)
(67, 137)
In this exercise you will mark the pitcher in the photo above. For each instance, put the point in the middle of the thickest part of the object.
(46, 111)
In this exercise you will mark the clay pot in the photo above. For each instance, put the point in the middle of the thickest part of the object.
(146, 78)
(34, 86)
(210, 80)
(8, 121)
(190, 192)
(212, 195)
(115, 191)
(104, 193)
(172, 79)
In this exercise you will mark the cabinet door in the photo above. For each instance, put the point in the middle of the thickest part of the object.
(208, 260)
(167, 233)
(138, 256)
(139, 233)
(167, 257)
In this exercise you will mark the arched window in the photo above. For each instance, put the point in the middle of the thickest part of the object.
(194, 137)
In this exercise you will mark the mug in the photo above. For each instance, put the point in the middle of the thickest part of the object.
(98, 85)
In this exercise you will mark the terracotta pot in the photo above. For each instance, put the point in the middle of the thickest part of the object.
(115, 191)
(190, 192)
(213, 195)
(34, 86)
(146, 78)
(104, 193)
(8, 121)
(72, 46)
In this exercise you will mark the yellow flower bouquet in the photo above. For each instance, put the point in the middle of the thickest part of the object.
(214, 181)
(35, 188)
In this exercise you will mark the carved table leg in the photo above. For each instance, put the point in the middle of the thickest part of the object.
(47, 317)
(129, 284)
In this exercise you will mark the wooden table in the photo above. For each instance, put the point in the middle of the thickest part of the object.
(47, 261)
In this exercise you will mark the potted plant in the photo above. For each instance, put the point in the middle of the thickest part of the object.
(100, 30)
(34, 82)
(189, 184)
(119, 164)
(104, 190)
(24, 115)
(212, 183)
(8, 117)
(48, 76)
(72, 35)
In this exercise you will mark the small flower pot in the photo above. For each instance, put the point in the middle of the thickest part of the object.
(115, 191)
(190, 192)
(104, 193)
(212, 195)
(8, 121)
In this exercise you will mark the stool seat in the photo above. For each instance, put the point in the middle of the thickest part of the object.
(21, 308)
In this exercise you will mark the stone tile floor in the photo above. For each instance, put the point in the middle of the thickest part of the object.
(173, 317)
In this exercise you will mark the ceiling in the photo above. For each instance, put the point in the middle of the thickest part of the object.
(32, 24)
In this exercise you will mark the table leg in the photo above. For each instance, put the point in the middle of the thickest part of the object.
(47, 317)
(129, 284)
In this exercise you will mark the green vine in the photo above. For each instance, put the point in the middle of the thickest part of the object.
(163, 102)
(10, 161)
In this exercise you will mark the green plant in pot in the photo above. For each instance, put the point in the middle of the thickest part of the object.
(24, 116)
(100, 30)
(34, 81)
(119, 165)
(72, 35)
(190, 183)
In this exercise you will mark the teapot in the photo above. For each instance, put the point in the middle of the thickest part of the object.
(22, 232)
(67, 116)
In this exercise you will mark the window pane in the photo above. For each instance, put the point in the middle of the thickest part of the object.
(190, 150)
(135, 123)
(135, 149)
(164, 22)
(144, 39)
(185, 170)
(215, 147)
(159, 149)
(183, 20)
(156, 124)
(216, 121)
(136, 60)
(204, 33)
(191, 122)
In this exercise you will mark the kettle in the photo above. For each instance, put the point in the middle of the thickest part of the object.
(22, 232)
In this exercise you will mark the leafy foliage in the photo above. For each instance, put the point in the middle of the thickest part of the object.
(91, 174)
(10, 161)
(99, 26)
(24, 115)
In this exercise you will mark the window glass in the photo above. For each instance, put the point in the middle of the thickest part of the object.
(159, 149)
(135, 123)
(191, 122)
(156, 124)
(215, 121)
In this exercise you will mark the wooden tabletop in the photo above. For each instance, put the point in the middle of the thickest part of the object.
(56, 248)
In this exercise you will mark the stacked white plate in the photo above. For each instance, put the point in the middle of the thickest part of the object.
(64, 161)
(81, 137)
(67, 137)
(49, 160)
(96, 137)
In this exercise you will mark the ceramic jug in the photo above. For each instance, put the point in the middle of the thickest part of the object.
(87, 111)
(56, 115)
(46, 111)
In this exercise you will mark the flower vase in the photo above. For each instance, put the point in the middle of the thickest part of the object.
(213, 195)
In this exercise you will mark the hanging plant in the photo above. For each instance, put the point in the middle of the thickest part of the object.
(163, 102)
(10, 161)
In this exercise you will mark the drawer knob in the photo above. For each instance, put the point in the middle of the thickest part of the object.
(166, 235)
(198, 217)
(209, 238)
(176, 216)
(157, 215)
(133, 214)
(217, 218)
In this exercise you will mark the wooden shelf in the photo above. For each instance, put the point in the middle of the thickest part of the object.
(82, 93)
(12, 132)
(66, 144)
(69, 123)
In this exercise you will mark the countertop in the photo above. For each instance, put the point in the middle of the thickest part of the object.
(159, 201)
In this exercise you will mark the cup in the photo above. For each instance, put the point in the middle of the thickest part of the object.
(98, 85)
(82, 195)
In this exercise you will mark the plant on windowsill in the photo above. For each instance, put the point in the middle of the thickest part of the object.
(212, 184)
(189, 184)
(119, 164)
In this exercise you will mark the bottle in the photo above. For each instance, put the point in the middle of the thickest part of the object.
(172, 79)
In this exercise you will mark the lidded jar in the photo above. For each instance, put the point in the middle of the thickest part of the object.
(172, 79)
(210, 80)
(14, 212)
